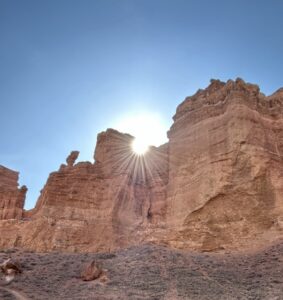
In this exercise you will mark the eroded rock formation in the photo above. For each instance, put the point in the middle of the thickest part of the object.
(217, 183)
(226, 166)
(71, 159)
(12, 198)
(84, 205)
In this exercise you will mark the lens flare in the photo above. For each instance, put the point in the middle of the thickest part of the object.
(147, 128)
(140, 146)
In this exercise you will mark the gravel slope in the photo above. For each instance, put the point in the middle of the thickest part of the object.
(151, 272)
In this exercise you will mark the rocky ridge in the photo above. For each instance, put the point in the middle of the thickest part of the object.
(217, 184)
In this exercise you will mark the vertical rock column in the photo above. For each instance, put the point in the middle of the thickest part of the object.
(12, 198)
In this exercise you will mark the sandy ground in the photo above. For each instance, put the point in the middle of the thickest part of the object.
(149, 272)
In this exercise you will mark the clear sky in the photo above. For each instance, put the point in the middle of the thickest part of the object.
(70, 69)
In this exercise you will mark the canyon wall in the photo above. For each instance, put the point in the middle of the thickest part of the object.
(12, 198)
(226, 167)
(217, 184)
(100, 206)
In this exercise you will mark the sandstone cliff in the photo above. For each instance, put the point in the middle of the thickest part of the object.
(217, 183)
(100, 206)
(226, 167)
(12, 198)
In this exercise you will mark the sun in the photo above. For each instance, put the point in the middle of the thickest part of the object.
(140, 146)
(147, 128)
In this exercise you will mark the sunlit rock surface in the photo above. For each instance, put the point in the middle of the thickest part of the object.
(217, 184)
(226, 167)
(97, 207)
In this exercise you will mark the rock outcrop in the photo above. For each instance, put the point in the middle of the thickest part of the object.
(71, 159)
(226, 167)
(217, 183)
(12, 198)
(84, 205)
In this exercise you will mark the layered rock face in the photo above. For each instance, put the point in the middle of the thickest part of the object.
(100, 206)
(12, 198)
(217, 183)
(226, 167)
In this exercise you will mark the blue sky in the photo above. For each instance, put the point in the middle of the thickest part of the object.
(70, 69)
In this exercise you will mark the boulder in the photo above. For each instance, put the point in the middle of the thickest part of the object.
(91, 272)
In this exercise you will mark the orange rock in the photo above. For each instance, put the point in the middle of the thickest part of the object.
(216, 184)
(12, 198)
(91, 271)
(71, 159)
(225, 167)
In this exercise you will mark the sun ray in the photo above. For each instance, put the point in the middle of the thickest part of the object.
(139, 146)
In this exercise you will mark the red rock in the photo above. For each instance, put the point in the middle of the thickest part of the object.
(216, 184)
(12, 198)
(225, 167)
(71, 159)
(91, 272)
(116, 199)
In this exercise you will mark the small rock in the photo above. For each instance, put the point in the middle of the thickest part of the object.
(91, 272)
(10, 269)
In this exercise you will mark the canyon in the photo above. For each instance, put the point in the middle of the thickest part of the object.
(216, 185)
